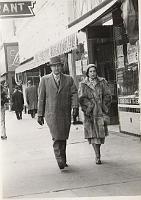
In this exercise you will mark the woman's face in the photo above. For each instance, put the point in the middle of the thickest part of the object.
(92, 73)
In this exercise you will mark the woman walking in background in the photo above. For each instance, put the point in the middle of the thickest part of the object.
(95, 99)
(17, 102)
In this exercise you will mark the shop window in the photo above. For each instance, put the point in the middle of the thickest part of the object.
(127, 69)
(24, 77)
(47, 69)
(128, 80)
(41, 71)
(64, 59)
(13, 81)
(36, 81)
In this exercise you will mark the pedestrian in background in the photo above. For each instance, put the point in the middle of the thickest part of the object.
(19, 84)
(17, 102)
(4, 100)
(57, 97)
(31, 98)
(95, 99)
(7, 91)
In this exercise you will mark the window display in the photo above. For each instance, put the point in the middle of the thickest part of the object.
(127, 70)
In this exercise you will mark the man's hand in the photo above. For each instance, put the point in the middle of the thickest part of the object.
(40, 120)
(75, 112)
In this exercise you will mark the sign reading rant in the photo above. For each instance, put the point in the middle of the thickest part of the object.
(16, 9)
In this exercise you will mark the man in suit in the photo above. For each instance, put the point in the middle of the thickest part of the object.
(31, 95)
(17, 102)
(57, 97)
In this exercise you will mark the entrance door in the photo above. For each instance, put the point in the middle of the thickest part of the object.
(101, 52)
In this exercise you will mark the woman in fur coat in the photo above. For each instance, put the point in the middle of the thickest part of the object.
(95, 99)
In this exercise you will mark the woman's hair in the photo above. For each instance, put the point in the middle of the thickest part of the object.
(90, 66)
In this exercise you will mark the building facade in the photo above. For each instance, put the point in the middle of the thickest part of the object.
(104, 32)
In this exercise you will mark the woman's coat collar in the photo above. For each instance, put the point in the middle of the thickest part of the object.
(88, 83)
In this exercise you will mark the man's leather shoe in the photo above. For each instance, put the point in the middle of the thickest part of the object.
(61, 165)
(98, 161)
(40, 120)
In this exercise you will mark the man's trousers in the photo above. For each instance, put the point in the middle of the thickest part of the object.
(60, 152)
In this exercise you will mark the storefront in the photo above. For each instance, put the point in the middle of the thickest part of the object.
(112, 44)
(99, 32)
(96, 45)
(126, 34)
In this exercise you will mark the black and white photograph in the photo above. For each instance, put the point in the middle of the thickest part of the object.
(70, 99)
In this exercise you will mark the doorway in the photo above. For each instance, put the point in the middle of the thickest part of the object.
(101, 52)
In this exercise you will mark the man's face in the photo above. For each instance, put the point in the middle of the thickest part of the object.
(56, 69)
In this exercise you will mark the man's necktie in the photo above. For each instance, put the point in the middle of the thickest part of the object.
(57, 81)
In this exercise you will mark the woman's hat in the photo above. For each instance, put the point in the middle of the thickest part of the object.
(55, 60)
(91, 65)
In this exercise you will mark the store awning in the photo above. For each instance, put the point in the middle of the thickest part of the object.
(93, 16)
(26, 66)
(63, 46)
(68, 43)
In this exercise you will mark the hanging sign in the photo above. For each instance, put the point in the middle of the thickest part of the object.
(16, 9)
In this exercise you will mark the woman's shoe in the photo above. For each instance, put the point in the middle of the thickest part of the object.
(98, 161)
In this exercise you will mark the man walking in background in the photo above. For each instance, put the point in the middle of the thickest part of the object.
(31, 98)
(17, 102)
(57, 96)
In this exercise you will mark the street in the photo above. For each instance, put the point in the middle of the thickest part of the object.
(29, 168)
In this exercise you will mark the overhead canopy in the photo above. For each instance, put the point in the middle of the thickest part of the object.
(26, 66)
(69, 42)
(65, 45)
(93, 15)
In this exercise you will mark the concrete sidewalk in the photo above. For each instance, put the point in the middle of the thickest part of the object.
(30, 169)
